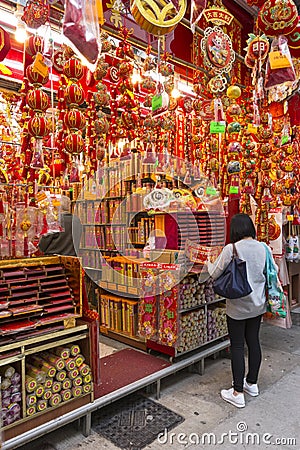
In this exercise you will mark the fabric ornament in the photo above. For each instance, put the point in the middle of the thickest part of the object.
(277, 17)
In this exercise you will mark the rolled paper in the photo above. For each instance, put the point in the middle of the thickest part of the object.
(84, 369)
(77, 381)
(44, 365)
(87, 388)
(47, 394)
(15, 378)
(55, 400)
(73, 374)
(56, 387)
(61, 375)
(70, 364)
(66, 384)
(31, 399)
(48, 383)
(66, 394)
(36, 373)
(62, 352)
(74, 349)
(39, 391)
(87, 379)
(15, 397)
(79, 359)
(5, 384)
(30, 383)
(8, 371)
(41, 405)
(31, 410)
(76, 391)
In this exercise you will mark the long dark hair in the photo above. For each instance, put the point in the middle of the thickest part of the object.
(241, 226)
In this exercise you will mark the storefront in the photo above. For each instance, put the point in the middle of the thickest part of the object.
(159, 122)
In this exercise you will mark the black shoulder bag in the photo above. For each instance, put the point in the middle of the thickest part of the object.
(233, 282)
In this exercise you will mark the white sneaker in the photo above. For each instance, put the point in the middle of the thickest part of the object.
(236, 400)
(251, 389)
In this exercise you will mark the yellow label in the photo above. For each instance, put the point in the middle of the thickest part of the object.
(39, 65)
(278, 60)
(290, 217)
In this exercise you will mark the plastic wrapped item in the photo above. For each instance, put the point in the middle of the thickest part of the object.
(280, 67)
(81, 28)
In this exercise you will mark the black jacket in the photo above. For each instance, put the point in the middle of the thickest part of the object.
(65, 242)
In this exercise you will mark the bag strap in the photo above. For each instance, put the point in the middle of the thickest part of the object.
(234, 251)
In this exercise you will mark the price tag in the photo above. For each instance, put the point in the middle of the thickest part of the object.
(279, 60)
(290, 217)
(233, 190)
(156, 102)
(211, 190)
(217, 127)
(40, 66)
(284, 139)
(252, 128)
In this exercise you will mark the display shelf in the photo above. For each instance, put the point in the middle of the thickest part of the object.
(193, 308)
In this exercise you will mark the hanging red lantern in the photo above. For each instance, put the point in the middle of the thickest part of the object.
(34, 44)
(37, 100)
(73, 69)
(37, 127)
(74, 95)
(74, 143)
(277, 17)
(74, 120)
(35, 77)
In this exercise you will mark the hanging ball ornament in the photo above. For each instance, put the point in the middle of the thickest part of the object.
(35, 78)
(233, 92)
(37, 100)
(74, 143)
(34, 44)
(37, 127)
(73, 69)
(74, 95)
(74, 120)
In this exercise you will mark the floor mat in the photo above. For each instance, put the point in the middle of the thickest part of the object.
(134, 422)
(124, 367)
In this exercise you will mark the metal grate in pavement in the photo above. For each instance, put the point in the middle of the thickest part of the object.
(134, 422)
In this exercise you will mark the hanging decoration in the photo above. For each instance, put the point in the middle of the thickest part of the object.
(277, 17)
(158, 18)
(197, 8)
(36, 13)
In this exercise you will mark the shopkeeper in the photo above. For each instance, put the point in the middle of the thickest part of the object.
(67, 241)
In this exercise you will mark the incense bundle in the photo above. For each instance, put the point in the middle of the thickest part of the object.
(47, 394)
(31, 399)
(56, 387)
(55, 400)
(79, 360)
(77, 381)
(7, 372)
(87, 379)
(66, 394)
(62, 352)
(48, 383)
(76, 391)
(30, 383)
(31, 410)
(74, 349)
(73, 374)
(54, 360)
(37, 374)
(43, 365)
(87, 388)
(61, 375)
(66, 384)
(70, 364)
(39, 390)
(41, 405)
(84, 369)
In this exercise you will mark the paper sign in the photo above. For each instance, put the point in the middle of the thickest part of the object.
(284, 139)
(156, 102)
(233, 190)
(252, 128)
(39, 65)
(278, 60)
(217, 127)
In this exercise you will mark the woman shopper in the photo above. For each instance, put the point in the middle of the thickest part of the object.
(244, 314)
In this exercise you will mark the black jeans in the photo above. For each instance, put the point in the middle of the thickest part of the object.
(240, 331)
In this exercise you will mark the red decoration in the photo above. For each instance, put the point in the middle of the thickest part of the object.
(74, 95)
(4, 43)
(37, 100)
(277, 17)
(58, 61)
(74, 120)
(73, 69)
(74, 143)
(37, 127)
(34, 44)
(35, 77)
(36, 13)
